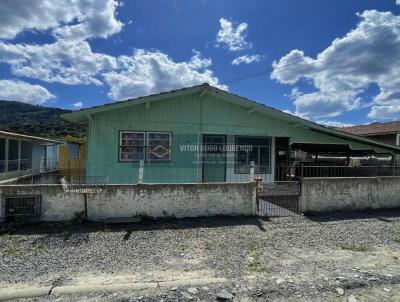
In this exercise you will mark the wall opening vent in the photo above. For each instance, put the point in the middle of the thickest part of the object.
(22, 205)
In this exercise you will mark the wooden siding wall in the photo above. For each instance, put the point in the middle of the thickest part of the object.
(185, 117)
(72, 166)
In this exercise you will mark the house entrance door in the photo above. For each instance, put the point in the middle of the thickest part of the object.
(214, 158)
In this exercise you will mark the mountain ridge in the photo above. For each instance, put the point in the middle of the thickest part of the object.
(36, 120)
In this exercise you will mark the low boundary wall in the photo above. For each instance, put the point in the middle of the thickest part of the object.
(152, 200)
(352, 193)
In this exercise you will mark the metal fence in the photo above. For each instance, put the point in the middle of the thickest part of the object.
(346, 171)
(297, 172)
(192, 172)
(15, 165)
(287, 173)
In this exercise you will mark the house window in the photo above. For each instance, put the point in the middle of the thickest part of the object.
(251, 148)
(158, 146)
(131, 146)
(150, 146)
(73, 150)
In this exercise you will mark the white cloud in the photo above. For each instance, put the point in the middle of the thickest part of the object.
(13, 90)
(295, 93)
(320, 104)
(335, 124)
(146, 72)
(66, 62)
(328, 123)
(231, 37)
(386, 111)
(78, 105)
(97, 20)
(70, 59)
(398, 2)
(246, 59)
(68, 18)
(367, 55)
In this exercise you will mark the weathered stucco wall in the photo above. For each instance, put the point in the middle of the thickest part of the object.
(330, 194)
(55, 205)
(153, 200)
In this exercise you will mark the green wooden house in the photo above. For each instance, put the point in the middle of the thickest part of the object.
(203, 134)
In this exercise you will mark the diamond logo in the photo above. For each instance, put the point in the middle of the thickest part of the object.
(160, 151)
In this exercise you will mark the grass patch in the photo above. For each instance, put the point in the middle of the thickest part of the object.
(208, 244)
(15, 250)
(356, 247)
(397, 240)
(12, 251)
(253, 245)
(13, 237)
(17, 246)
(254, 265)
(253, 261)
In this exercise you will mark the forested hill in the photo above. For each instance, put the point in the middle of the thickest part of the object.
(36, 120)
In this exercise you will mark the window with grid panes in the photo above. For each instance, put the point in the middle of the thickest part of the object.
(131, 146)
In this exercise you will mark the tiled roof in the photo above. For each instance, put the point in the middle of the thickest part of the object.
(372, 129)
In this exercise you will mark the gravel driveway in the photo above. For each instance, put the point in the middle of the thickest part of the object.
(317, 258)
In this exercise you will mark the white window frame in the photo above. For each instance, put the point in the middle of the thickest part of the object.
(169, 143)
(120, 145)
(257, 166)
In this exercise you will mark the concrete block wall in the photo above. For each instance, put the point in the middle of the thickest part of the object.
(153, 200)
(55, 204)
(358, 193)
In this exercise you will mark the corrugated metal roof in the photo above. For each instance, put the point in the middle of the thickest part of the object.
(84, 114)
(140, 98)
(28, 137)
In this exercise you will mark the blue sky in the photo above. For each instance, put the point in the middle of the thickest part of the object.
(80, 54)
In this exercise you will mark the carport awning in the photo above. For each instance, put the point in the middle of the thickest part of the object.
(12, 135)
(342, 149)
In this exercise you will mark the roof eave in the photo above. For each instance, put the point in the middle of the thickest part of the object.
(360, 139)
(311, 125)
(29, 137)
(381, 133)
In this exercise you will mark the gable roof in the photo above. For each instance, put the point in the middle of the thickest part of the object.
(83, 116)
(373, 129)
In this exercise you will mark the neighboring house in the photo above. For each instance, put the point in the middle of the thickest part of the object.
(388, 133)
(204, 134)
(72, 158)
(25, 155)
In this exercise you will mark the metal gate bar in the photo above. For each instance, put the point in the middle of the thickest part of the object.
(279, 200)
(22, 205)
